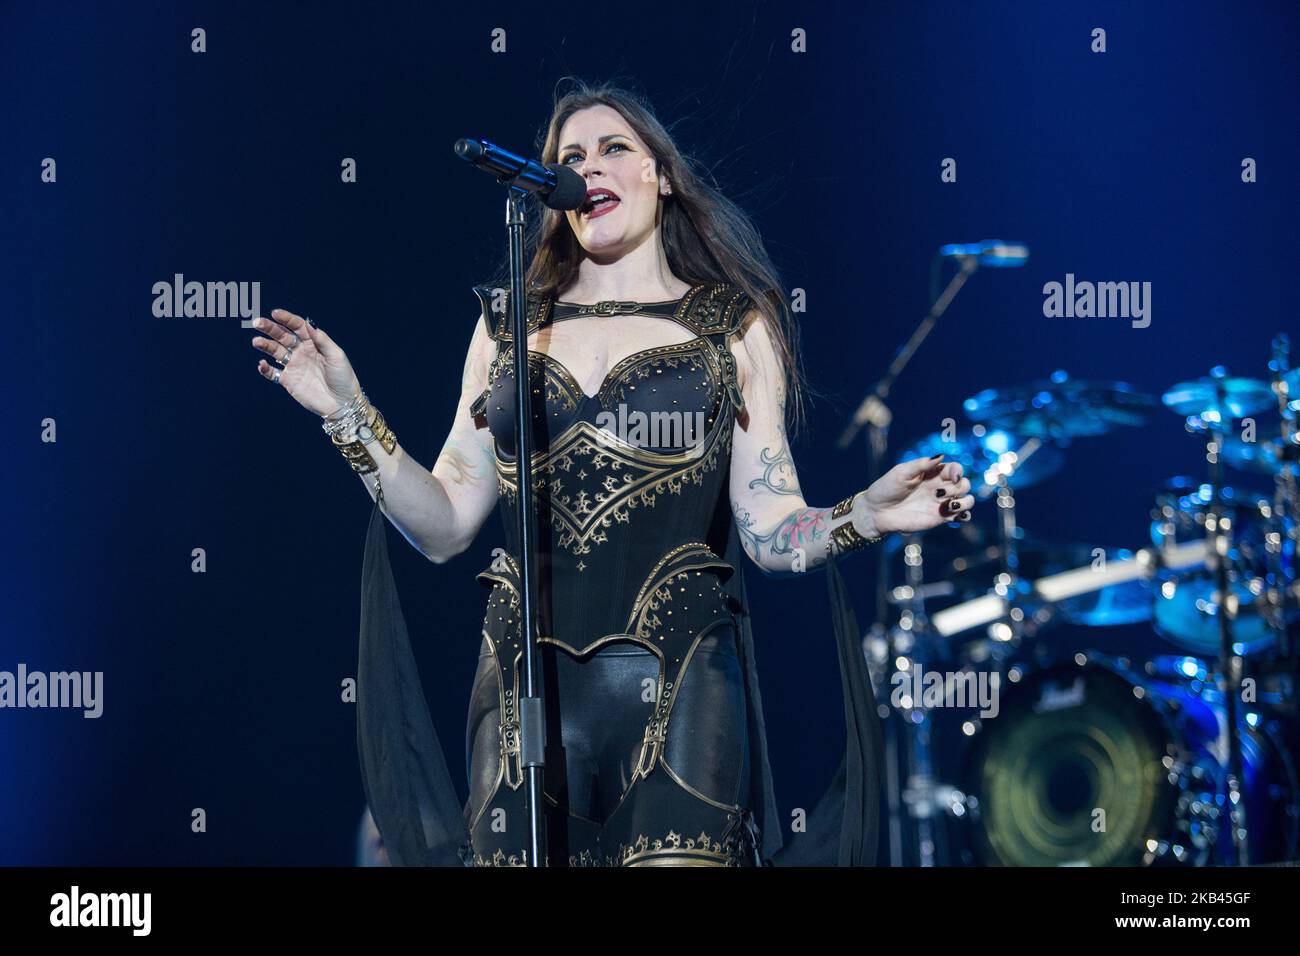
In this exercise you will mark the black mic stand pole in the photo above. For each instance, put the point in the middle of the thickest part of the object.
(561, 188)
(875, 414)
(532, 723)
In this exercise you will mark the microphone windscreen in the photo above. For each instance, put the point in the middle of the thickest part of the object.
(470, 149)
(570, 190)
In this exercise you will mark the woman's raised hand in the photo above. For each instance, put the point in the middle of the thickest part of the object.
(918, 495)
(317, 372)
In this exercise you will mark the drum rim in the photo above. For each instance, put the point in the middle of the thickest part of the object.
(1157, 715)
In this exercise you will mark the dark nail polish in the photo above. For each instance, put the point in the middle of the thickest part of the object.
(939, 492)
(964, 516)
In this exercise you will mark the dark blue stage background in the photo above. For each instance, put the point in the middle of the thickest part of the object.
(222, 689)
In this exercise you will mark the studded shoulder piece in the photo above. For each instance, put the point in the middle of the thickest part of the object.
(495, 306)
(714, 312)
(715, 308)
(537, 311)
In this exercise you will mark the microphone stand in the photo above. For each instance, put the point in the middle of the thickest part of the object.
(875, 414)
(532, 723)
(529, 721)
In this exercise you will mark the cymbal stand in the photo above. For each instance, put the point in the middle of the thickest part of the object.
(1007, 585)
(1218, 528)
(1284, 590)
(915, 646)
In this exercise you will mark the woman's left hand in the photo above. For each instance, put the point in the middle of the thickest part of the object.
(914, 496)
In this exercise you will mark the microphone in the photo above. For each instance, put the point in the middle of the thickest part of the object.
(998, 253)
(557, 186)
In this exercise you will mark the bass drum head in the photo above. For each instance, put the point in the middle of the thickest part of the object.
(1073, 770)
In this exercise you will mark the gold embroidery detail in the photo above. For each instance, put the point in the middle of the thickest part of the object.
(499, 858)
(638, 476)
(690, 354)
(561, 388)
(643, 613)
(676, 850)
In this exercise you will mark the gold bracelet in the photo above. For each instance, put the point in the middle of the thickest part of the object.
(356, 453)
(845, 537)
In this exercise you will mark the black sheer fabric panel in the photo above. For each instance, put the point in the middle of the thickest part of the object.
(403, 770)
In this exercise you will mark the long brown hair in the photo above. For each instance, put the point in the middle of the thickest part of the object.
(706, 237)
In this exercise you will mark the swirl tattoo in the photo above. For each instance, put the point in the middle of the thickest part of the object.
(779, 476)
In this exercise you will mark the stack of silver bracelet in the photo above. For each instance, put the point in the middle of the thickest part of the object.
(349, 418)
(352, 427)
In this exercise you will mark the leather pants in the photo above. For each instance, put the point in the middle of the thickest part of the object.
(627, 783)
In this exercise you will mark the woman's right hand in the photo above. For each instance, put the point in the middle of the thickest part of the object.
(318, 374)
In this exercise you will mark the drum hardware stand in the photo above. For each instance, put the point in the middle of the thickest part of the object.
(1008, 586)
(918, 647)
(915, 646)
(1009, 631)
(1230, 664)
(1008, 583)
(1282, 594)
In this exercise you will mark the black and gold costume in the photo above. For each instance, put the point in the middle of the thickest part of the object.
(656, 749)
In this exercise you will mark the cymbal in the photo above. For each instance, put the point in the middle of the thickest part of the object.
(1217, 399)
(983, 448)
(1060, 407)
(1260, 457)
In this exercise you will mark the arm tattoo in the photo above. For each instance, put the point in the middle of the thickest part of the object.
(461, 468)
(805, 528)
(805, 537)
(779, 476)
(809, 535)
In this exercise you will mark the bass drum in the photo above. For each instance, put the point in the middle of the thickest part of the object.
(1085, 764)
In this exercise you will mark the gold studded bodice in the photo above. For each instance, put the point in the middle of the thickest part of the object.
(630, 484)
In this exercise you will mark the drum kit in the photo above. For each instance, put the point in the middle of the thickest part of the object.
(1090, 757)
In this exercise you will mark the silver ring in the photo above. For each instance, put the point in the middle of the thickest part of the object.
(297, 340)
(288, 354)
(275, 377)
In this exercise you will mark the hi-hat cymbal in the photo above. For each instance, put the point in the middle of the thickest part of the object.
(1060, 407)
(1218, 399)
